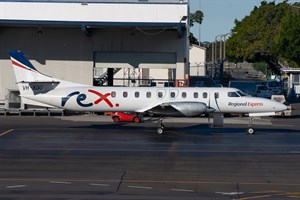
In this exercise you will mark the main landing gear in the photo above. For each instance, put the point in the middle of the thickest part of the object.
(250, 130)
(160, 129)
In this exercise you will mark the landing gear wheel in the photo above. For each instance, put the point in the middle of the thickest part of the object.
(136, 120)
(116, 119)
(250, 131)
(160, 130)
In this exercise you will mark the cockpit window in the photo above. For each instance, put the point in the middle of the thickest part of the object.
(233, 94)
(242, 94)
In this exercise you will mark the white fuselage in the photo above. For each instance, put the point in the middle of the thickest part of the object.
(42, 90)
(141, 99)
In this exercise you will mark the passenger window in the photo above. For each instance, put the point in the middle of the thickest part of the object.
(204, 95)
(137, 94)
(183, 94)
(148, 94)
(217, 95)
(196, 95)
(113, 94)
(160, 94)
(172, 94)
(232, 94)
(125, 94)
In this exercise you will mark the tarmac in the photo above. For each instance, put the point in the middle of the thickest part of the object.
(90, 157)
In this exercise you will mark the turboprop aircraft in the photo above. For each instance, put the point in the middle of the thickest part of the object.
(39, 89)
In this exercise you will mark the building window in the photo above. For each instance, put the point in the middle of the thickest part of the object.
(183, 94)
(196, 95)
(137, 94)
(148, 94)
(113, 94)
(125, 94)
(204, 95)
(296, 79)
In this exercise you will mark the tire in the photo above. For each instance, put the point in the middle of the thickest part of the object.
(250, 131)
(136, 120)
(116, 119)
(160, 130)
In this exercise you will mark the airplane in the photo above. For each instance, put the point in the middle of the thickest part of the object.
(43, 90)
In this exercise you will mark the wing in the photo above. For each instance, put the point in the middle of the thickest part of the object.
(187, 109)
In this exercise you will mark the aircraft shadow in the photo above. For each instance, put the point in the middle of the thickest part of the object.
(199, 129)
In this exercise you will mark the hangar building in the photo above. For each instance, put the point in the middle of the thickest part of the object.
(97, 42)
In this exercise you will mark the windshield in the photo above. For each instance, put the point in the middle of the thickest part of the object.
(233, 94)
(237, 94)
(242, 94)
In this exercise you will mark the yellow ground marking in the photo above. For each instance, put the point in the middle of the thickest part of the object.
(6, 132)
(268, 191)
(255, 197)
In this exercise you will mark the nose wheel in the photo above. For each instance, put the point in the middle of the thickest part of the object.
(250, 130)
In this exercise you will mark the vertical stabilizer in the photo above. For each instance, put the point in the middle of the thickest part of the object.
(24, 70)
(31, 82)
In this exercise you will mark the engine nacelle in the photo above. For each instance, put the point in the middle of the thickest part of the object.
(180, 109)
(190, 109)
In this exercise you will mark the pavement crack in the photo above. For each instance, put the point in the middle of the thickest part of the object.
(238, 190)
(121, 180)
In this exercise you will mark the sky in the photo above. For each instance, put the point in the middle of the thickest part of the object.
(219, 15)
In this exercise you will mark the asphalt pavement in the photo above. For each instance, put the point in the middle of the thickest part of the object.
(90, 157)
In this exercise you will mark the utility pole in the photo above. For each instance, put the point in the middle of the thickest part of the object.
(216, 46)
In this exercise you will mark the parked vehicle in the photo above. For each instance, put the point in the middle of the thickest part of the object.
(274, 86)
(263, 91)
(202, 81)
(245, 86)
(125, 117)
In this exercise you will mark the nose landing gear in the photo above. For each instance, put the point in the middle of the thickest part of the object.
(250, 130)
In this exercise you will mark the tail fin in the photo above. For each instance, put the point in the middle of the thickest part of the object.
(29, 80)
(24, 70)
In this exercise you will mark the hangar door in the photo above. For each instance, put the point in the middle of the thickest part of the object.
(154, 65)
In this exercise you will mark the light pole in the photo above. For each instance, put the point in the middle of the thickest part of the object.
(217, 64)
(213, 52)
(224, 43)
(216, 46)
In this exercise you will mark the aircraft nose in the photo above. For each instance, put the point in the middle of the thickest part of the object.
(279, 106)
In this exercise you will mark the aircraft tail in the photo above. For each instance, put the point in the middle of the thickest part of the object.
(31, 82)
(24, 70)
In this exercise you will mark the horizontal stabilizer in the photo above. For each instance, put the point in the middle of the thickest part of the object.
(35, 103)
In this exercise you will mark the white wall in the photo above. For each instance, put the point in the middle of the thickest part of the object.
(94, 12)
(197, 60)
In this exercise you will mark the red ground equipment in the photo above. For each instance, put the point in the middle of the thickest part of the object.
(125, 117)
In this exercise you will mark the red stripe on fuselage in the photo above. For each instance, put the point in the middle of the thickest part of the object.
(19, 65)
